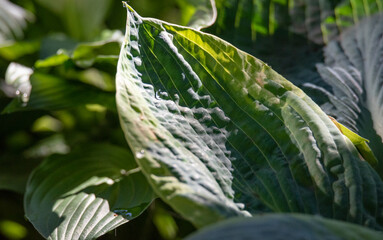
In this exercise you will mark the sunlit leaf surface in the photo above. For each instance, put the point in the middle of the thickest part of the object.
(219, 134)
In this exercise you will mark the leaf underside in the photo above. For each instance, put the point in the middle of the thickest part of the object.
(319, 21)
(218, 133)
(353, 69)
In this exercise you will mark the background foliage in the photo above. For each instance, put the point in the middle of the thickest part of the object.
(65, 119)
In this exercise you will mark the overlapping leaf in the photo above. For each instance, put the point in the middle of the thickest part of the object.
(71, 72)
(53, 93)
(288, 35)
(353, 69)
(84, 19)
(318, 20)
(285, 226)
(86, 193)
(198, 13)
(264, 29)
(218, 133)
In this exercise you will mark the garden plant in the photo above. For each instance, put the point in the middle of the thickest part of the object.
(227, 119)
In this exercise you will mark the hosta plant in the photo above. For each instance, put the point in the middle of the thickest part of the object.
(213, 131)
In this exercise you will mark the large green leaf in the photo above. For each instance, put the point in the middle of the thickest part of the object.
(288, 35)
(285, 226)
(266, 30)
(218, 133)
(86, 193)
(353, 69)
(318, 20)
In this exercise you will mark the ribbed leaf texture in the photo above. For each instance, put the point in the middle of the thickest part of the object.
(219, 134)
(86, 193)
(285, 226)
(353, 69)
(318, 20)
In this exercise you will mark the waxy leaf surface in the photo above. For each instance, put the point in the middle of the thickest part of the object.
(219, 134)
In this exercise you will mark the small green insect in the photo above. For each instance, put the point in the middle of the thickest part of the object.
(359, 142)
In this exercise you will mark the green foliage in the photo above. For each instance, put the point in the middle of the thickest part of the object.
(86, 193)
(13, 20)
(353, 70)
(12, 230)
(202, 117)
(96, 125)
(285, 226)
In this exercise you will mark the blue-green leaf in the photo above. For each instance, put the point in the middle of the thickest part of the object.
(353, 69)
(285, 226)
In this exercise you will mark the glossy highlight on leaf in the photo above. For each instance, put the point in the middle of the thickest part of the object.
(219, 134)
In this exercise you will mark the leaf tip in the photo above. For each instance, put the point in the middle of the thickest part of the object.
(125, 4)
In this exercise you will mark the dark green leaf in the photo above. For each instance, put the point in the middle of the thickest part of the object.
(83, 19)
(198, 13)
(14, 171)
(318, 20)
(285, 226)
(86, 193)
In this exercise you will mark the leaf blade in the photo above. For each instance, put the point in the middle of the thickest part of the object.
(292, 226)
(352, 70)
(213, 130)
(78, 196)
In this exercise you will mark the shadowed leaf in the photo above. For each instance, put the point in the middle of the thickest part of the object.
(86, 193)
(285, 226)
